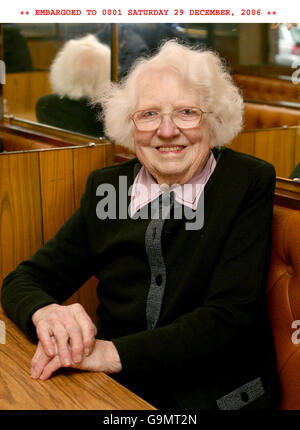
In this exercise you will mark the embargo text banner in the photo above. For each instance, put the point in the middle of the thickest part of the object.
(150, 11)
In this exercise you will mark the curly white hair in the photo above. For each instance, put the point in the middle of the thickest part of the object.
(203, 69)
(81, 68)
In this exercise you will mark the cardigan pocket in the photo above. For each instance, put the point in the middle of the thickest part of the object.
(242, 396)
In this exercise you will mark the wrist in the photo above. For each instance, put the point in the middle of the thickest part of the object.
(35, 317)
(111, 358)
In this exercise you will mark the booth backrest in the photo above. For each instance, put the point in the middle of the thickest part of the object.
(39, 191)
(267, 88)
(267, 116)
(283, 294)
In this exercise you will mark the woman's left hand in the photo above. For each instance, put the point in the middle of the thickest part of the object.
(104, 358)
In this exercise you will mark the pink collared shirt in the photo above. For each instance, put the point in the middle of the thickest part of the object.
(145, 189)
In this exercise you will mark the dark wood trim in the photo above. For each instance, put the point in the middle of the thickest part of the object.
(287, 193)
(1, 87)
(48, 135)
(114, 52)
(287, 201)
(283, 104)
(266, 70)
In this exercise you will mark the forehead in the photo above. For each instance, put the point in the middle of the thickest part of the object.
(164, 87)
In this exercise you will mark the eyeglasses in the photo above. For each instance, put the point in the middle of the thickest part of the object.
(150, 119)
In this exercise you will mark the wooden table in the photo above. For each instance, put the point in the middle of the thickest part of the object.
(68, 390)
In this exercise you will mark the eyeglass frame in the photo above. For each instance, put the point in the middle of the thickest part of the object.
(168, 113)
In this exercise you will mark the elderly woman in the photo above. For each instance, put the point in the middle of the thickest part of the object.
(182, 316)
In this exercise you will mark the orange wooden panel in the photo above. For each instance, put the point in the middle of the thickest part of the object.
(22, 91)
(20, 209)
(13, 142)
(43, 52)
(244, 142)
(278, 148)
(38, 192)
(86, 160)
(297, 147)
(57, 189)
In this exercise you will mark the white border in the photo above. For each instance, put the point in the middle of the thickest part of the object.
(10, 11)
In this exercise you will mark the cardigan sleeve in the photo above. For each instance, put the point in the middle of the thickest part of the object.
(52, 274)
(233, 297)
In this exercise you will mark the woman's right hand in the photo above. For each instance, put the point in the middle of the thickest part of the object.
(65, 330)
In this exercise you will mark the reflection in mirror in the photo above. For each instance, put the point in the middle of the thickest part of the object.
(53, 71)
(78, 72)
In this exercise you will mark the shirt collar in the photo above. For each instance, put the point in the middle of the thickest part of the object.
(145, 189)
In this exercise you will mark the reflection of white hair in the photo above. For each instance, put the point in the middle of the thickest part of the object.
(204, 70)
(80, 68)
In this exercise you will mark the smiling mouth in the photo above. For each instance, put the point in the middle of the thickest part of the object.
(168, 149)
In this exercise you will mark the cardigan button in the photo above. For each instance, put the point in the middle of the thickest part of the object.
(244, 397)
(158, 279)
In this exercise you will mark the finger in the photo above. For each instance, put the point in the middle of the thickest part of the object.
(44, 334)
(38, 362)
(74, 332)
(75, 342)
(53, 365)
(88, 329)
(62, 342)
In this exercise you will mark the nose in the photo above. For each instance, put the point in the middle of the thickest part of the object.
(167, 128)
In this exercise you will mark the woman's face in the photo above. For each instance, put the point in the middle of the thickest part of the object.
(172, 155)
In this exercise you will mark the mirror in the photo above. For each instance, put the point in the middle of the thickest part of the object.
(30, 49)
(28, 52)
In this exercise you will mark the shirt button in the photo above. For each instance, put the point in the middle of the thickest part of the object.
(158, 279)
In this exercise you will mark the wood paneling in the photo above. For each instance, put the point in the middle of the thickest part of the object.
(297, 147)
(57, 189)
(287, 193)
(244, 142)
(20, 209)
(22, 91)
(13, 142)
(84, 163)
(23, 135)
(43, 52)
(278, 147)
(38, 192)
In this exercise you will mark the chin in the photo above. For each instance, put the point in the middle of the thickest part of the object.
(171, 175)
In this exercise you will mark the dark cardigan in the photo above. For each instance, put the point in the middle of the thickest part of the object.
(213, 336)
(74, 115)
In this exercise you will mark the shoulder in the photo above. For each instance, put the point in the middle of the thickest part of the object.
(246, 167)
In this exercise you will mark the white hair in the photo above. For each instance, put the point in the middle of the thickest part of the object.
(203, 69)
(81, 68)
